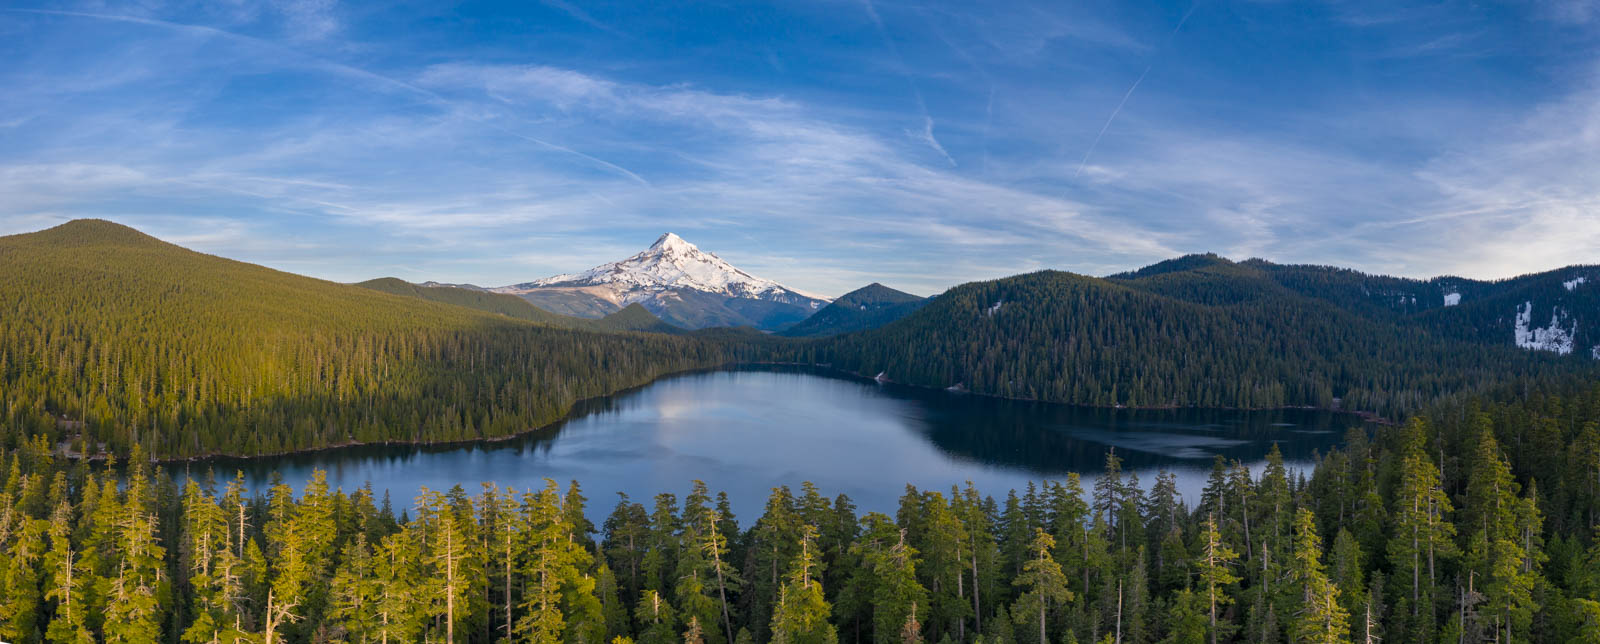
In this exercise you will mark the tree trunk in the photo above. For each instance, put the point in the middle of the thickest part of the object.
(449, 588)
(1119, 611)
(1042, 638)
(977, 607)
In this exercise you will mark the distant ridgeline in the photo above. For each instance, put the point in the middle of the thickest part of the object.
(1202, 330)
(109, 336)
(868, 307)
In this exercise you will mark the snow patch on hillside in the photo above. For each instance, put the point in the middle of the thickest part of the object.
(995, 308)
(1574, 282)
(1452, 299)
(1551, 338)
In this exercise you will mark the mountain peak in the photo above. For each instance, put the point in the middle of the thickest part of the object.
(670, 263)
(672, 242)
(87, 232)
(673, 274)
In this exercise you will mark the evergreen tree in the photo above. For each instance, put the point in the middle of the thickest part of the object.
(400, 600)
(1044, 585)
(134, 610)
(887, 576)
(1421, 533)
(1318, 618)
(1189, 622)
(1213, 563)
(657, 620)
(355, 591)
(802, 614)
(69, 581)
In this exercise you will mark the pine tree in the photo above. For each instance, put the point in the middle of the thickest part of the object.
(1188, 619)
(69, 581)
(983, 551)
(400, 607)
(546, 533)
(944, 547)
(502, 548)
(657, 620)
(713, 549)
(450, 557)
(1044, 583)
(1134, 616)
(625, 538)
(20, 608)
(133, 612)
(356, 591)
(1497, 556)
(695, 590)
(1213, 563)
(1318, 617)
(802, 614)
(660, 558)
(613, 613)
(212, 568)
(887, 577)
(772, 544)
(1422, 534)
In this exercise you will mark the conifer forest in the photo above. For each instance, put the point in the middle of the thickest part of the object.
(1471, 523)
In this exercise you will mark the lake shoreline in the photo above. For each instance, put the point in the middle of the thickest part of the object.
(827, 370)
(748, 430)
(565, 417)
(1366, 416)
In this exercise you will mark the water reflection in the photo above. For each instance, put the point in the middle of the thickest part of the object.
(748, 430)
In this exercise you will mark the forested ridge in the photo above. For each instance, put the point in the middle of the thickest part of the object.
(868, 307)
(112, 337)
(1474, 523)
(1191, 332)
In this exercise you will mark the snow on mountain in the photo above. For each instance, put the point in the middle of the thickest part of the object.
(1551, 338)
(671, 263)
(1452, 299)
(1574, 282)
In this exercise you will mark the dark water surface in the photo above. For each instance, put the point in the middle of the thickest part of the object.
(745, 431)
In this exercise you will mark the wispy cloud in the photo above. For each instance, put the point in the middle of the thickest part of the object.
(454, 151)
(925, 134)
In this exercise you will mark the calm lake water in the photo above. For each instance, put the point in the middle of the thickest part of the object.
(746, 431)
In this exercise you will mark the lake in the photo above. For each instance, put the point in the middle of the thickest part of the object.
(747, 430)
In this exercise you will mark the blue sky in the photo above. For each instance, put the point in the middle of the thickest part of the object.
(822, 144)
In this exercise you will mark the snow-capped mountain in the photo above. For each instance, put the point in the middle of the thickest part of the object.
(677, 281)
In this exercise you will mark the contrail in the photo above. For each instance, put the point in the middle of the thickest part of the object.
(1113, 117)
(1185, 19)
(342, 69)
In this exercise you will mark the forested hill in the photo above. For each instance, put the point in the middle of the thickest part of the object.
(1195, 332)
(142, 341)
(630, 318)
(868, 307)
(1556, 311)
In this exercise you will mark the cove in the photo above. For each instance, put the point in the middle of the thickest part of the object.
(747, 430)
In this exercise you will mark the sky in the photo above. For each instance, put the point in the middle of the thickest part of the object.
(822, 144)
